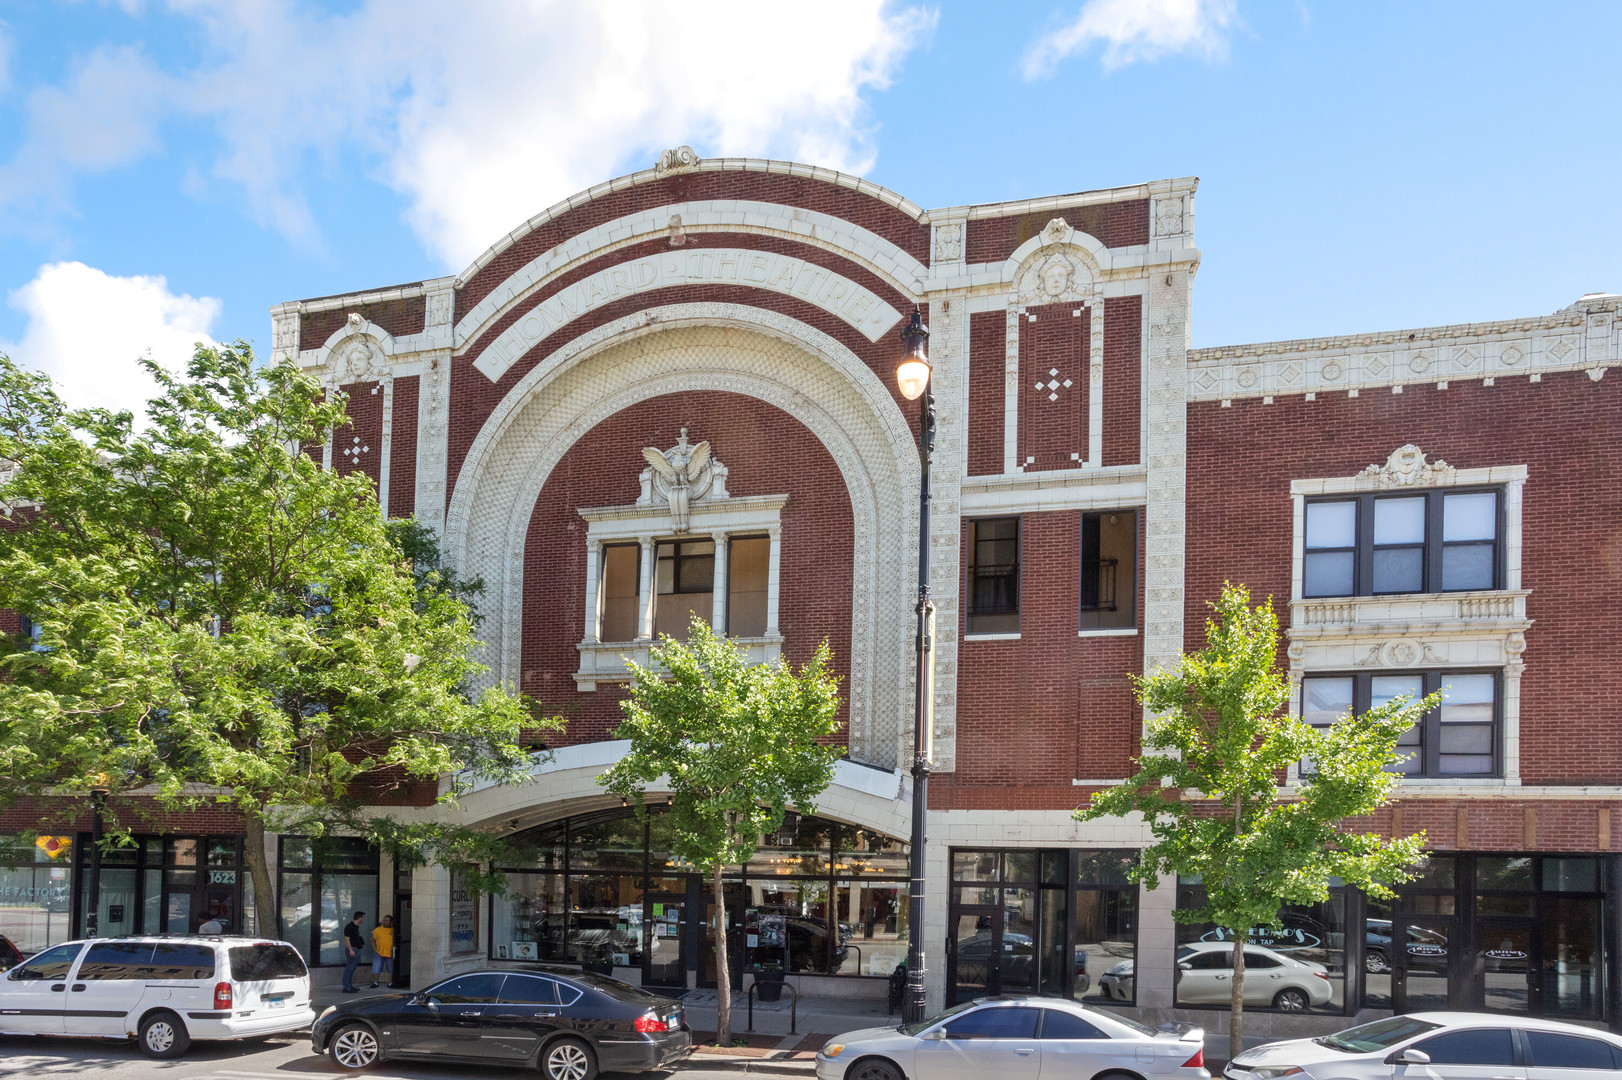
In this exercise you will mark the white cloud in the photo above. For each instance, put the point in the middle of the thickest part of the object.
(5, 58)
(1134, 30)
(86, 328)
(105, 115)
(481, 115)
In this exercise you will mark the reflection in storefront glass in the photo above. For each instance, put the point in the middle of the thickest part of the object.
(1106, 929)
(1503, 954)
(1571, 954)
(1428, 945)
(1310, 934)
(873, 918)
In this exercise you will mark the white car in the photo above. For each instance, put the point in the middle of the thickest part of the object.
(1015, 1039)
(1455, 1045)
(1205, 977)
(162, 992)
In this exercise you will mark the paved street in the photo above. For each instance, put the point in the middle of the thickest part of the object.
(275, 1059)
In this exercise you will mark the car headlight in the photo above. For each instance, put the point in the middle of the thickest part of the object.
(832, 1049)
(1273, 1072)
(328, 1011)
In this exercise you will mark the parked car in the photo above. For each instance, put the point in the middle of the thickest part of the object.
(1205, 968)
(1426, 948)
(1458, 1045)
(10, 955)
(1015, 1039)
(163, 992)
(567, 1025)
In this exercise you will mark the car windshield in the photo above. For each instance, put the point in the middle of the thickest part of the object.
(1380, 1035)
(924, 1025)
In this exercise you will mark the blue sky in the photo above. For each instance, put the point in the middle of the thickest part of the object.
(170, 170)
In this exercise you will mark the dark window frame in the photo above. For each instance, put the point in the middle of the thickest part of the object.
(1430, 735)
(678, 560)
(1127, 589)
(1363, 536)
(1014, 574)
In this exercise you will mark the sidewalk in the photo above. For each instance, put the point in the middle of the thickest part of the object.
(772, 1046)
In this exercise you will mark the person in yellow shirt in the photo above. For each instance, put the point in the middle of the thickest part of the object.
(383, 950)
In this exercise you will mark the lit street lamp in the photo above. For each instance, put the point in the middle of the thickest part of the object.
(912, 376)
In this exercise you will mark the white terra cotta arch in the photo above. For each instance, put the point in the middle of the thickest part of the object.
(728, 347)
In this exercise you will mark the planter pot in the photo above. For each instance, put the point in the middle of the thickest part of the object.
(768, 988)
(598, 968)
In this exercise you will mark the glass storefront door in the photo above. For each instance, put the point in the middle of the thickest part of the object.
(666, 946)
(972, 952)
(737, 902)
(1503, 965)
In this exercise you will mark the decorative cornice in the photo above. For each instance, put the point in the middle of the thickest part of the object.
(1582, 337)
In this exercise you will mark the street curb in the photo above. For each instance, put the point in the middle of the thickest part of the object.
(749, 1064)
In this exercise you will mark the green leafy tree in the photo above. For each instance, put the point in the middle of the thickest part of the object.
(1209, 786)
(738, 743)
(220, 620)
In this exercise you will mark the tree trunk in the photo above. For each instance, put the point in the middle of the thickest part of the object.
(1236, 1004)
(264, 892)
(723, 970)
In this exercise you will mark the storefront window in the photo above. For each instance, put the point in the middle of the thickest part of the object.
(818, 896)
(873, 917)
(35, 893)
(323, 883)
(1297, 966)
(1057, 922)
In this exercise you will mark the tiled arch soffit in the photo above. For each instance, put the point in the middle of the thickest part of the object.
(728, 347)
(865, 249)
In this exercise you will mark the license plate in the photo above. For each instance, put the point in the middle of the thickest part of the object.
(275, 1003)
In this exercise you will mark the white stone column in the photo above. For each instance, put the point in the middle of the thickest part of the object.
(430, 923)
(718, 605)
(1095, 379)
(772, 579)
(594, 577)
(645, 590)
(385, 456)
(1157, 946)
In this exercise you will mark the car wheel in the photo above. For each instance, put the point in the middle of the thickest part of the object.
(568, 1059)
(162, 1035)
(873, 1069)
(354, 1047)
(1291, 1000)
(1375, 963)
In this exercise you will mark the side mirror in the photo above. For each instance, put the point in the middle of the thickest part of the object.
(1185, 967)
(936, 1035)
(1410, 1056)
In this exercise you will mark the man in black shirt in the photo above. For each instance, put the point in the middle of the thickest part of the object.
(353, 944)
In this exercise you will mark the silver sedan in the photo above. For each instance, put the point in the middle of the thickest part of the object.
(1015, 1039)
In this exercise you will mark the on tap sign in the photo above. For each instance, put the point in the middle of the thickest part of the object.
(54, 846)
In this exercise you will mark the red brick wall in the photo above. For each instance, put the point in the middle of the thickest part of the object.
(988, 362)
(1116, 224)
(1123, 372)
(1241, 461)
(473, 396)
(1499, 825)
(365, 411)
(397, 317)
(877, 217)
(138, 814)
(753, 439)
(1036, 713)
(403, 448)
(1053, 345)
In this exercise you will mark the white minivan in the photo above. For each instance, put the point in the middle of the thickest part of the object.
(163, 992)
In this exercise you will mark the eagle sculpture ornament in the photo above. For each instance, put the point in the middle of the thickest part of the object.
(679, 476)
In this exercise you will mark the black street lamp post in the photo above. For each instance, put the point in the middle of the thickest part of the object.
(913, 378)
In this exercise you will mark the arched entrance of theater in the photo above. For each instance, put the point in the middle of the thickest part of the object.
(603, 889)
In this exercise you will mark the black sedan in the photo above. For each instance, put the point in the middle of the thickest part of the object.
(567, 1025)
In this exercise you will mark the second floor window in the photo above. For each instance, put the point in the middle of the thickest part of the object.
(1429, 541)
(1109, 570)
(1460, 738)
(684, 585)
(993, 576)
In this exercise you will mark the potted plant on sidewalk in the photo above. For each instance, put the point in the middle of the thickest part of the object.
(769, 981)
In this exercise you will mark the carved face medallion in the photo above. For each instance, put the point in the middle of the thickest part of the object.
(1056, 277)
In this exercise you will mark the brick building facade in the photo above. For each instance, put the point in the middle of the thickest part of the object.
(674, 394)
